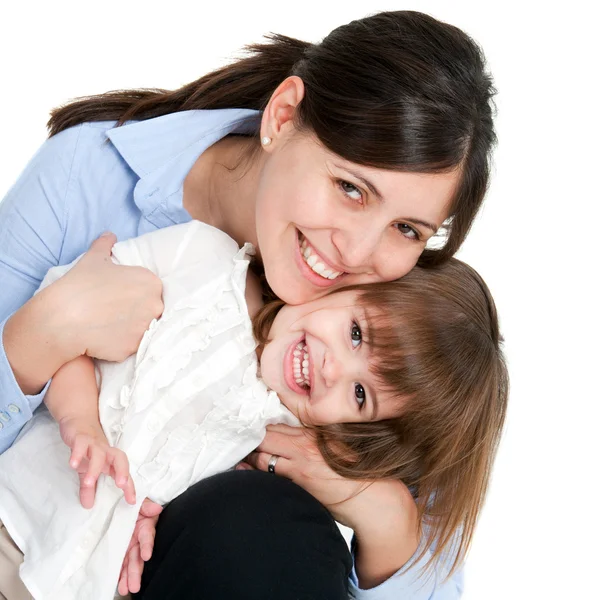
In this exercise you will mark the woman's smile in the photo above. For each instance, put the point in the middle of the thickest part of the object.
(313, 267)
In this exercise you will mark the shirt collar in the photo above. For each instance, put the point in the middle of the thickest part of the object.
(161, 152)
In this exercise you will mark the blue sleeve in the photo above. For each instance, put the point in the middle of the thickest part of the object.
(411, 582)
(32, 224)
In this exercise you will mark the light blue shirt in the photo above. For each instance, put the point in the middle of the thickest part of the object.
(96, 177)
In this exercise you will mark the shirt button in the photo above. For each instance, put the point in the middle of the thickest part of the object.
(13, 408)
(4, 416)
(1, 425)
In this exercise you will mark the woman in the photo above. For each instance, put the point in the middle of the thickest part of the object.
(366, 145)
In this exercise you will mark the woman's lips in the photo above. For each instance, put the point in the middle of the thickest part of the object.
(308, 273)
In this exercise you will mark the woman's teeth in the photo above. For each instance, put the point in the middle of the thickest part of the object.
(315, 262)
(300, 362)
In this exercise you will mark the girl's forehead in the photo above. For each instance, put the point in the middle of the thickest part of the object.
(336, 300)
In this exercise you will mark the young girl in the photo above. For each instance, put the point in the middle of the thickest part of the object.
(379, 371)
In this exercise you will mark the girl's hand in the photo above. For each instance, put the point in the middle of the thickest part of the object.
(108, 307)
(140, 548)
(92, 455)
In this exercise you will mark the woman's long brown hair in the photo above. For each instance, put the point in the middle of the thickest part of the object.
(396, 90)
(436, 346)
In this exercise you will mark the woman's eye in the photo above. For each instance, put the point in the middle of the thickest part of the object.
(410, 232)
(360, 394)
(351, 191)
(355, 335)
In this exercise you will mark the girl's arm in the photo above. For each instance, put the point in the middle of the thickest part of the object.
(72, 399)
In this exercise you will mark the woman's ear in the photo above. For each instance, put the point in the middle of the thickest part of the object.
(278, 116)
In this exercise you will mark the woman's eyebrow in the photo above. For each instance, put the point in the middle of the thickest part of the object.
(379, 196)
(358, 176)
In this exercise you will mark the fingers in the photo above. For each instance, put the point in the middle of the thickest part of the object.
(120, 472)
(129, 491)
(146, 536)
(150, 509)
(83, 453)
(244, 466)
(87, 494)
(123, 587)
(97, 458)
(287, 429)
(104, 244)
(135, 567)
(91, 460)
(79, 451)
(260, 461)
(279, 443)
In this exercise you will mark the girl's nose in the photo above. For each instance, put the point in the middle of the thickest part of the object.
(332, 370)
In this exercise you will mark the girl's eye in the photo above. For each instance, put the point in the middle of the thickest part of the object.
(351, 191)
(355, 335)
(360, 394)
(406, 230)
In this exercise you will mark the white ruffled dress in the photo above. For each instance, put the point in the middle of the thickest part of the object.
(188, 405)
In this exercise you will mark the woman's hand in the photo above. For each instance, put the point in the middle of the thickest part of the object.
(91, 455)
(140, 548)
(382, 513)
(109, 306)
(300, 460)
(98, 308)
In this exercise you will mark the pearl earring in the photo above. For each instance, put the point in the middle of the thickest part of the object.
(266, 140)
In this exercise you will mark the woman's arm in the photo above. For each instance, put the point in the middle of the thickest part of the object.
(39, 335)
(383, 516)
(32, 222)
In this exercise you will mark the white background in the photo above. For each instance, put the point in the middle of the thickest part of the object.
(535, 241)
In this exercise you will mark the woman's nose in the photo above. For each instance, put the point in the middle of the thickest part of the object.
(357, 246)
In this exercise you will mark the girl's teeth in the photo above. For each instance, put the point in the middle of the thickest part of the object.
(311, 261)
(300, 365)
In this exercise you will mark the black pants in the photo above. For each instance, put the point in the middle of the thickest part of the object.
(246, 535)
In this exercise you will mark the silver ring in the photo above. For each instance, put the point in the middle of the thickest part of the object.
(272, 462)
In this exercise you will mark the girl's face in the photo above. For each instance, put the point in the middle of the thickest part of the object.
(324, 223)
(317, 363)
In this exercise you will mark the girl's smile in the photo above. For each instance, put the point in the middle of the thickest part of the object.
(296, 368)
(317, 362)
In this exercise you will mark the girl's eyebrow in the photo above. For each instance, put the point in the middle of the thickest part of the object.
(379, 196)
(374, 404)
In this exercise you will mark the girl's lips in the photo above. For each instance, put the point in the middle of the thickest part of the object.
(288, 369)
(308, 273)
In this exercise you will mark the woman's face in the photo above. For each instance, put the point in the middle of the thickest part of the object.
(324, 223)
(317, 363)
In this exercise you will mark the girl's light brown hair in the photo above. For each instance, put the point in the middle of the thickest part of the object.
(436, 345)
